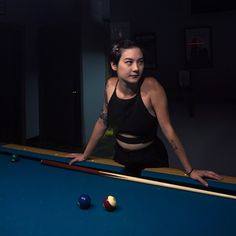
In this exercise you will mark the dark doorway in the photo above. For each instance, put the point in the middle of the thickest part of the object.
(59, 85)
(11, 84)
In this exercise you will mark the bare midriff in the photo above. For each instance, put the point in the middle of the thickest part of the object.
(130, 146)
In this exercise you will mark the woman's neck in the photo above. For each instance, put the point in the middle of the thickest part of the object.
(127, 89)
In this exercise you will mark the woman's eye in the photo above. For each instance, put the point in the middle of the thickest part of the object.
(128, 62)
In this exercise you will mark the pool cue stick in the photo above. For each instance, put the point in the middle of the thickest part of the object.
(134, 179)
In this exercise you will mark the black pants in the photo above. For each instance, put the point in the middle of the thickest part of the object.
(155, 155)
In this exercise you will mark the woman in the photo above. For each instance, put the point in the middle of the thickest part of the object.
(134, 106)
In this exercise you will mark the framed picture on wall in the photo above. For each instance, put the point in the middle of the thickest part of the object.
(198, 47)
(148, 42)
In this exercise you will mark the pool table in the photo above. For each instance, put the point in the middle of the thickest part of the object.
(41, 200)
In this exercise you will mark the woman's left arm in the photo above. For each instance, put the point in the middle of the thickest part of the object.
(159, 103)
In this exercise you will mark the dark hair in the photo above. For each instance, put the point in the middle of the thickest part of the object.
(119, 46)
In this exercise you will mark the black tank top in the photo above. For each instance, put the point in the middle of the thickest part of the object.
(130, 116)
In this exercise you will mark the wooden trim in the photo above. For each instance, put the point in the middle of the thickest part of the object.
(105, 161)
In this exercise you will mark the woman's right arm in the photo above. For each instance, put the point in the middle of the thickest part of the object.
(97, 133)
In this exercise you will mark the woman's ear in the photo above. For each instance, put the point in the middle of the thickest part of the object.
(113, 66)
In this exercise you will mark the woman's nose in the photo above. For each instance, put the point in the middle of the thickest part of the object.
(135, 67)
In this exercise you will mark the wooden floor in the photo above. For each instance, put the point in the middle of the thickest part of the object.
(107, 161)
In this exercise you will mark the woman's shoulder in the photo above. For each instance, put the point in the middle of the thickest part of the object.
(151, 83)
(112, 81)
(110, 86)
(153, 89)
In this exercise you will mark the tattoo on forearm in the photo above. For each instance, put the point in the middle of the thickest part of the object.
(173, 145)
(103, 116)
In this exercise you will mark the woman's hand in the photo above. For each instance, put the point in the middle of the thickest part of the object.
(76, 157)
(200, 175)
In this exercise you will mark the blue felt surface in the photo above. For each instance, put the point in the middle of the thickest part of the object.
(41, 200)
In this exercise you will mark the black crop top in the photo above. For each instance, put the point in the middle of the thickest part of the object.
(130, 116)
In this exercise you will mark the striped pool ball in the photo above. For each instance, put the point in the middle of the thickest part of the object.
(109, 203)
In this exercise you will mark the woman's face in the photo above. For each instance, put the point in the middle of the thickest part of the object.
(130, 66)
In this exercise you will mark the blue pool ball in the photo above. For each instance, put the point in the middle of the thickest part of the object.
(84, 201)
